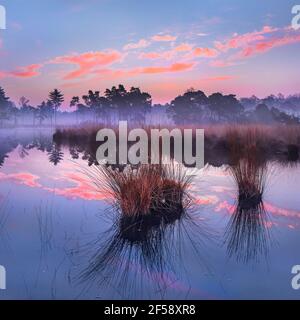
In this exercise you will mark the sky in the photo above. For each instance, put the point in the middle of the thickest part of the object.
(163, 47)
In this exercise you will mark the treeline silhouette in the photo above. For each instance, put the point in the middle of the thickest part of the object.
(118, 103)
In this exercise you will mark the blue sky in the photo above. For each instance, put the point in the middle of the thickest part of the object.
(165, 47)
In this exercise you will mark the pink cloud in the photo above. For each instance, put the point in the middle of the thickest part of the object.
(205, 52)
(169, 54)
(238, 41)
(254, 43)
(157, 55)
(176, 67)
(23, 72)
(206, 200)
(281, 211)
(222, 63)
(172, 68)
(150, 55)
(264, 46)
(183, 47)
(83, 189)
(24, 178)
(27, 72)
(113, 74)
(163, 38)
(138, 45)
(225, 206)
(88, 62)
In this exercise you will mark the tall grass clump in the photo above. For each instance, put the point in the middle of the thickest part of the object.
(247, 233)
(152, 226)
(145, 189)
(250, 177)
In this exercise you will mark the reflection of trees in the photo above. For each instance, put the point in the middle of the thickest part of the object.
(82, 142)
(55, 155)
(2, 159)
(74, 153)
(23, 152)
(24, 140)
(288, 156)
(7, 145)
(247, 234)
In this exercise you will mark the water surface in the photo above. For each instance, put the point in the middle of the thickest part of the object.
(54, 225)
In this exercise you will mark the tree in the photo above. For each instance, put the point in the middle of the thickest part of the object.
(92, 99)
(44, 111)
(225, 107)
(263, 113)
(95, 103)
(116, 98)
(56, 98)
(271, 100)
(188, 108)
(250, 103)
(27, 110)
(5, 106)
(15, 113)
(81, 109)
(282, 117)
(23, 102)
(74, 102)
(138, 103)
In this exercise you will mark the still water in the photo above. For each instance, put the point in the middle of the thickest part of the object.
(58, 237)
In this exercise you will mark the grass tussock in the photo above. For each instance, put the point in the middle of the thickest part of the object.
(145, 189)
(247, 234)
(146, 197)
(154, 211)
(248, 170)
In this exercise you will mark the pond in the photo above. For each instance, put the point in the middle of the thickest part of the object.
(58, 233)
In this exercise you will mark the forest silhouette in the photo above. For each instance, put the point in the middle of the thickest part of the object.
(134, 105)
